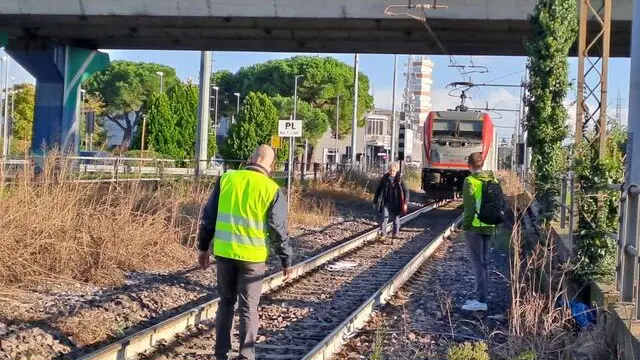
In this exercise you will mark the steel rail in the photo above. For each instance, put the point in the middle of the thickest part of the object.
(333, 342)
(165, 331)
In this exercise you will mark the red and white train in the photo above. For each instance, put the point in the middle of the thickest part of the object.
(449, 138)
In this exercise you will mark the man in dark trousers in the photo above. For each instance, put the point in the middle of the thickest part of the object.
(245, 214)
(391, 199)
(478, 235)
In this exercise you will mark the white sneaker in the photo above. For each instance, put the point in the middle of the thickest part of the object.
(474, 305)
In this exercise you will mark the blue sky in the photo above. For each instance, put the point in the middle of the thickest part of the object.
(379, 68)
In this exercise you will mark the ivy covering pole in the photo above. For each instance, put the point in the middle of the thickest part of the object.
(594, 248)
(554, 27)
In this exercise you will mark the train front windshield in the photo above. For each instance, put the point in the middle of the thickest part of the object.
(468, 129)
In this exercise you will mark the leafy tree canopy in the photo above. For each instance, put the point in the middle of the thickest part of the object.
(125, 87)
(324, 78)
(24, 96)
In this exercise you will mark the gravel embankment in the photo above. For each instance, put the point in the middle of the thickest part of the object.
(425, 318)
(65, 320)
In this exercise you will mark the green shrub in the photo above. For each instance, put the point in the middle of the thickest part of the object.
(528, 355)
(469, 351)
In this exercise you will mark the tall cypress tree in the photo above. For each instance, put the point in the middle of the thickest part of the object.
(257, 121)
(554, 25)
(184, 106)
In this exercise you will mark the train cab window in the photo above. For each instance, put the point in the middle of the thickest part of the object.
(443, 127)
(470, 129)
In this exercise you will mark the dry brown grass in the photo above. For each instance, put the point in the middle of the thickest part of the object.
(347, 186)
(314, 204)
(307, 209)
(58, 229)
(90, 326)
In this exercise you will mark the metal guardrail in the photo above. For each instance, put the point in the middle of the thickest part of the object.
(115, 167)
(628, 243)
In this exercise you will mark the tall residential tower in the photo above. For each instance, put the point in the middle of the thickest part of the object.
(417, 100)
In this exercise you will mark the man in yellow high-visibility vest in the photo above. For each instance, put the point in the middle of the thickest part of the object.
(245, 214)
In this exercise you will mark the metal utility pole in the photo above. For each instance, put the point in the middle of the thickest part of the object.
(354, 122)
(630, 226)
(393, 110)
(291, 142)
(202, 137)
(516, 145)
(337, 127)
(593, 52)
(5, 130)
(295, 117)
(2, 60)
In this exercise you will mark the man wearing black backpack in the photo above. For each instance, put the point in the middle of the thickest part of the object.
(483, 210)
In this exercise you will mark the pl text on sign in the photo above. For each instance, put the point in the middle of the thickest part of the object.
(290, 128)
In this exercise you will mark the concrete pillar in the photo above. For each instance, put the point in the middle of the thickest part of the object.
(59, 70)
(630, 232)
(202, 136)
(354, 123)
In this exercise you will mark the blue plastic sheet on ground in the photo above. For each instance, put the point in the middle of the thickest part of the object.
(583, 314)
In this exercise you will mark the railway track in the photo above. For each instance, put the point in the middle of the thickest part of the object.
(328, 298)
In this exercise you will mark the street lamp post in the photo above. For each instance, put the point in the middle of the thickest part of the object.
(215, 111)
(5, 130)
(295, 117)
(354, 123)
(237, 95)
(393, 110)
(295, 114)
(82, 118)
(337, 126)
(2, 60)
(13, 95)
(161, 74)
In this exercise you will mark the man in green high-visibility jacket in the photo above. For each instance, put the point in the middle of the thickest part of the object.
(245, 214)
(478, 234)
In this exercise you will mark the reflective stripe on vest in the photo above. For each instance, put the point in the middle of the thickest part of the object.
(241, 226)
(476, 185)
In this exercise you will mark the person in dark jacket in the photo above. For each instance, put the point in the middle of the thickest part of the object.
(391, 199)
(245, 214)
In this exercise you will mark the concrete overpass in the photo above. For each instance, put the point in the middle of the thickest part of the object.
(55, 40)
(466, 27)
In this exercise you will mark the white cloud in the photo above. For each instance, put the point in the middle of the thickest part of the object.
(440, 100)
(384, 97)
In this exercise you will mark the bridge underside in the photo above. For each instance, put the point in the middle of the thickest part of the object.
(404, 36)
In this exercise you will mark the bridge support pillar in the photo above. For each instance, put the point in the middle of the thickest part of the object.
(59, 70)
